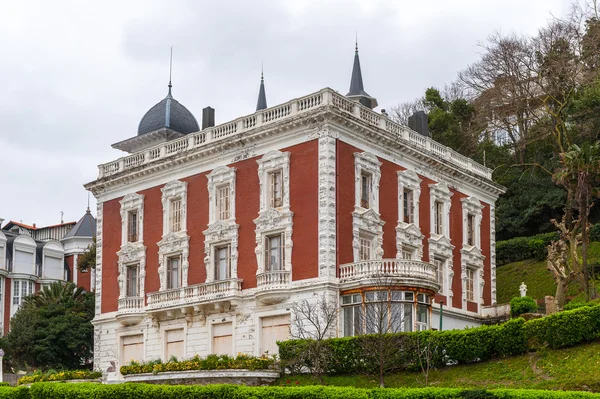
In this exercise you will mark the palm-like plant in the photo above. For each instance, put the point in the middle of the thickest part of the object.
(55, 293)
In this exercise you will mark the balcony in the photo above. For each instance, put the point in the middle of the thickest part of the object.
(219, 294)
(273, 287)
(408, 273)
(131, 310)
(5, 266)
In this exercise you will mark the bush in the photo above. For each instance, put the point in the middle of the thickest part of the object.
(211, 362)
(514, 337)
(60, 376)
(520, 248)
(595, 232)
(134, 391)
(522, 304)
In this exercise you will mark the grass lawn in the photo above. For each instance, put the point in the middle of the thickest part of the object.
(534, 274)
(575, 368)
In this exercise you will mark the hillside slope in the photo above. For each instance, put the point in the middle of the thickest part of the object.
(576, 368)
(534, 274)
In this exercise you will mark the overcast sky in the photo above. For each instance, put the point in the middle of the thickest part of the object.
(77, 76)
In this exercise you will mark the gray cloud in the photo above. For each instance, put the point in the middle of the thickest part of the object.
(78, 76)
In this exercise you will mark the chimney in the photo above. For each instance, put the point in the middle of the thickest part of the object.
(418, 123)
(208, 117)
(34, 225)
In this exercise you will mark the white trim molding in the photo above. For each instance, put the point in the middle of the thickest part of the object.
(409, 233)
(367, 222)
(327, 204)
(273, 220)
(440, 192)
(178, 242)
(471, 206)
(131, 253)
(221, 232)
(132, 202)
(493, 252)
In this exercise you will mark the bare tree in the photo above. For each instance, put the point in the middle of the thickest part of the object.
(427, 351)
(385, 315)
(314, 322)
(402, 111)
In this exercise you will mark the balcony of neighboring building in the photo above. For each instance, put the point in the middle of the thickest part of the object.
(400, 272)
(220, 294)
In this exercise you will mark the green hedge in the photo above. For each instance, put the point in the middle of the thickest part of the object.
(520, 248)
(211, 362)
(595, 232)
(138, 391)
(514, 337)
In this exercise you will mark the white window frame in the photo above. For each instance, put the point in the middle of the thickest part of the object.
(471, 206)
(470, 285)
(129, 267)
(216, 250)
(368, 240)
(274, 220)
(443, 275)
(131, 252)
(132, 202)
(174, 243)
(169, 262)
(267, 249)
(163, 334)
(440, 193)
(471, 257)
(367, 220)
(221, 232)
(14, 307)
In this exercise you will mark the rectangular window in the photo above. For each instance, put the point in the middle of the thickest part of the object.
(438, 217)
(274, 328)
(174, 272)
(408, 206)
(470, 285)
(132, 226)
(132, 349)
(133, 281)
(364, 248)
(365, 190)
(223, 203)
(439, 264)
(407, 253)
(175, 216)
(471, 230)
(174, 347)
(352, 313)
(222, 263)
(275, 189)
(222, 342)
(274, 253)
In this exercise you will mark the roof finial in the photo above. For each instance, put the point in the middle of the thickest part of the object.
(262, 70)
(88, 207)
(170, 70)
(356, 43)
(262, 96)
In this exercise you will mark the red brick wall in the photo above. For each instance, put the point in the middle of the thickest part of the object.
(111, 243)
(153, 230)
(485, 250)
(388, 205)
(69, 261)
(83, 279)
(345, 200)
(197, 221)
(425, 215)
(456, 238)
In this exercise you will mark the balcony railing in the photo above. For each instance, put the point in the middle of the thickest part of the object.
(389, 268)
(132, 304)
(195, 294)
(273, 279)
(289, 110)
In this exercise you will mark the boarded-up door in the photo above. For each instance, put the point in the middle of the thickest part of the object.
(274, 328)
(222, 339)
(132, 349)
(174, 347)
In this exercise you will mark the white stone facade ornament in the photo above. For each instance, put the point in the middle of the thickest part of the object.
(470, 255)
(439, 244)
(471, 206)
(493, 252)
(221, 232)
(274, 220)
(366, 222)
(131, 253)
(409, 233)
(174, 243)
(327, 204)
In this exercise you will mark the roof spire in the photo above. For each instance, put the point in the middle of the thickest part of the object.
(357, 91)
(88, 207)
(262, 97)
(170, 71)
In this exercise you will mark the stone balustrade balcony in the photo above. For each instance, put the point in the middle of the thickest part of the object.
(131, 310)
(409, 273)
(194, 296)
(273, 286)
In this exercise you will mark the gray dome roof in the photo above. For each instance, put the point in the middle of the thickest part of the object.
(171, 114)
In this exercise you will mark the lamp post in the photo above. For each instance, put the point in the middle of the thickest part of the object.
(441, 312)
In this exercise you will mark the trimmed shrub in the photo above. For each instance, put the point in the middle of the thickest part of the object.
(211, 362)
(148, 391)
(514, 337)
(520, 248)
(522, 304)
